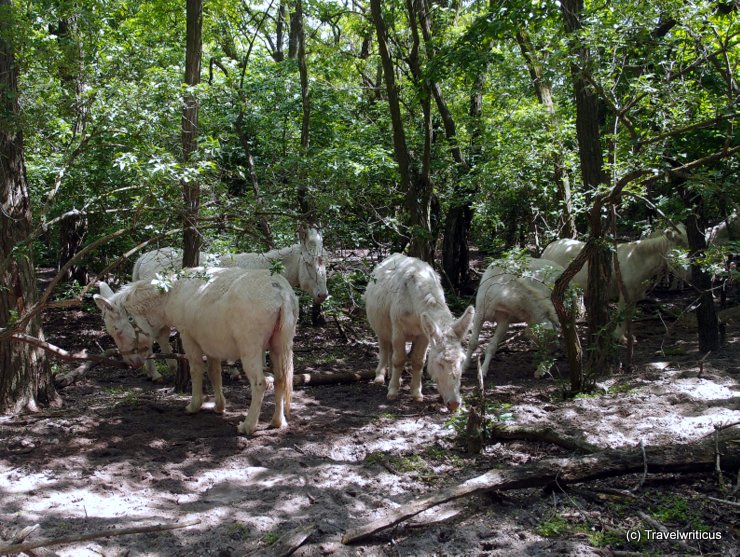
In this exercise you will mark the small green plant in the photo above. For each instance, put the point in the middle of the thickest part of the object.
(676, 510)
(544, 338)
(554, 527)
(271, 537)
(276, 267)
(238, 531)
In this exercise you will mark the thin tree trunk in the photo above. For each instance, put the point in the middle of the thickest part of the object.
(417, 185)
(543, 89)
(191, 189)
(305, 203)
(593, 176)
(73, 227)
(25, 376)
(706, 312)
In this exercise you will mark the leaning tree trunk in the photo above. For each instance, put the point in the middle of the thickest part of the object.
(593, 176)
(25, 376)
(191, 188)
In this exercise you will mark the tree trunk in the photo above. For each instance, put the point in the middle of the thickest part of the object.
(72, 231)
(416, 184)
(704, 456)
(25, 376)
(706, 313)
(543, 89)
(73, 226)
(191, 189)
(593, 176)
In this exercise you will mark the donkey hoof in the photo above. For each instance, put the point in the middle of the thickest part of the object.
(220, 406)
(392, 396)
(279, 423)
(379, 380)
(245, 428)
(192, 408)
(418, 398)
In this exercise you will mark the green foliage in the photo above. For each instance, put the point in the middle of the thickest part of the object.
(495, 413)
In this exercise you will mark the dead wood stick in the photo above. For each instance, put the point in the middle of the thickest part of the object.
(94, 536)
(330, 377)
(62, 354)
(725, 502)
(288, 543)
(545, 435)
(692, 457)
(661, 528)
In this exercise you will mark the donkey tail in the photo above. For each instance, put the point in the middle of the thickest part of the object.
(281, 350)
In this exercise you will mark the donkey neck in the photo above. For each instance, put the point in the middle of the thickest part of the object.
(291, 258)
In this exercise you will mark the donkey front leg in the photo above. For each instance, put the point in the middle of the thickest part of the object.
(418, 353)
(384, 360)
(252, 365)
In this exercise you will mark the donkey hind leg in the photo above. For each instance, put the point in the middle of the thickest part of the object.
(502, 325)
(214, 375)
(418, 353)
(398, 359)
(252, 365)
(194, 355)
(384, 360)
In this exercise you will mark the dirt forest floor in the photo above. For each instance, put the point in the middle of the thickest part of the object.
(121, 453)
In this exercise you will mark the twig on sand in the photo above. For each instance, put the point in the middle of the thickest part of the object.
(18, 548)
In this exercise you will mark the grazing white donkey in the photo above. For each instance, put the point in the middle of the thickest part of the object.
(303, 263)
(513, 292)
(639, 263)
(222, 314)
(405, 302)
(303, 266)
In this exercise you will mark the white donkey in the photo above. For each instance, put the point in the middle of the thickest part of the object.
(222, 314)
(639, 263)
(303, 267)
(513, 292)
(405, 302)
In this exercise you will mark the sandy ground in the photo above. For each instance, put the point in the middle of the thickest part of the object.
(122, 453)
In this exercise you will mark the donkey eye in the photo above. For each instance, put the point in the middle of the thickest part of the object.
(130, 318)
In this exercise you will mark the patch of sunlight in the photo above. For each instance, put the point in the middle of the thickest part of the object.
(703, 389)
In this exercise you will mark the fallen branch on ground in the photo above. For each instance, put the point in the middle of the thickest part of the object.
(327, 378)
(543, 435)
(694, 457)
(8, 549)
(62, 380)
(62, 354)
(288, 543)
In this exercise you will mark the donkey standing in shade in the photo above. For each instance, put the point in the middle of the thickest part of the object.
(303, 267)
(405, 302)
(220, 313)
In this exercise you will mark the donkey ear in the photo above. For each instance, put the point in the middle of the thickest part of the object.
(430, 328)
(462, 325)
(105, 290)
(102, 303)
(302, 232)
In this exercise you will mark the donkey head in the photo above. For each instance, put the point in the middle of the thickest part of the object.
(311, 269)
(132, 336)
(446, 355)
